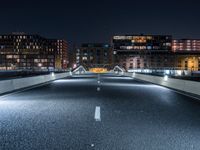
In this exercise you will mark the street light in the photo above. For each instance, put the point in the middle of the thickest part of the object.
(74, 66)
(53, 74)
(133, 75)
(166, 78)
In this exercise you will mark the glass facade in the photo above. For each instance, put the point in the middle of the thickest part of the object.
(142, 42)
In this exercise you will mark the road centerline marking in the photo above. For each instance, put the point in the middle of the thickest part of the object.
(98, 89)
(97, 114)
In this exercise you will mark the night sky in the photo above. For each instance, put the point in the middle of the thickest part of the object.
(96, 21)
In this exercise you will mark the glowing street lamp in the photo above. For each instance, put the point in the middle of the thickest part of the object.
(166, 78)
(74, 66)
(53, 74)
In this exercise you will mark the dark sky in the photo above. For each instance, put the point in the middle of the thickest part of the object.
(96, 21)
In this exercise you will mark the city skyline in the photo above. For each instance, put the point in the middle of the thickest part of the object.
(99, 74)
(97, 21)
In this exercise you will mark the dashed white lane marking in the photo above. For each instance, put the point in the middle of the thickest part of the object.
(97, 114)
(98, 89)
(98, 78)
(98, 81)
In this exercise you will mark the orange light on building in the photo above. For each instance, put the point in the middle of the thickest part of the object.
(98, 70)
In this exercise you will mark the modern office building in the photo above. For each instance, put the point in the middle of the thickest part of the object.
(154, 60)
(94, 55)
(186, 45)
(156, 52)
(187, 53)
(21, 51)
(61, 53)
(142, 42)
(187, 61)
(143, 51)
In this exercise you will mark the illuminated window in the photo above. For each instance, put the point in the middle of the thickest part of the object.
(15, 56)
(129, 47)
(149, 38)
(36, 60)
(119, 37)
(139, 39)
(84, 58)
(9, 56)
(168, 44)
(142, 47)
(149, 47)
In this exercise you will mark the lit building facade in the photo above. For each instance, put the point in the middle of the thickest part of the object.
(143, 51)
(94, 55)
(186, 45)
(152, 60)
(187, 60)
(156, 52)
(142, 42)
(187, 53)
(20, 51)
(61, 53)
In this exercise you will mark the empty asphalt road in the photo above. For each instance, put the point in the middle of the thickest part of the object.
(99, 112)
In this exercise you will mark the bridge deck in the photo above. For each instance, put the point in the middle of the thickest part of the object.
(99, 112)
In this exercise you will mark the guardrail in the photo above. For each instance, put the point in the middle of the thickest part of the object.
(177, 84)
(167, 71)
(20, 83)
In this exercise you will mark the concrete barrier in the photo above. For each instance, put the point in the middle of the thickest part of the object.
(20, 83)
(177, 84)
